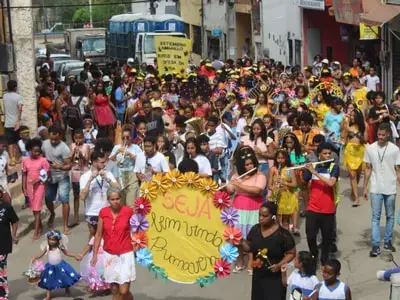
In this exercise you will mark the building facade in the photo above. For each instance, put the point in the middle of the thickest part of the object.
(18, 56)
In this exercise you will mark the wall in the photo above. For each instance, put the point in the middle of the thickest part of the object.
(22, 30)
(243, 31)
(330, 35)
(280, 17)
(215, 18)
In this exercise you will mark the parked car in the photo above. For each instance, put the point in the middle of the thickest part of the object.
(66, 68)
(57, 58)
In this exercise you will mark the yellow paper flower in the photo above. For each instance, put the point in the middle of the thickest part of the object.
(161, 182)
(208, 186)
(175, 178)
(192, 179)
(149, 190)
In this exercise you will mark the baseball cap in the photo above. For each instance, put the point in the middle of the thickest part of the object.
(325, 61)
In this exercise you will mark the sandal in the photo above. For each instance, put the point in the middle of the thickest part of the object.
(250, 272)
(238, 269)
(296, 232)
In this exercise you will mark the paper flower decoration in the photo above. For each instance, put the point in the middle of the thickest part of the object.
(149, 190)
(175, 178)
(221, 200)
(144, 257)
(233, 235)
(191, 179)
(229, 252)
(208, 186)
(142, 206)
(230, 216)
(138, 223)
(139, 240)
(222, 268)
(161, 182)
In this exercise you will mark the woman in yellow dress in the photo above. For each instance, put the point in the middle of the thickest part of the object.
(262, 106)
(354, 136)
(283, 182)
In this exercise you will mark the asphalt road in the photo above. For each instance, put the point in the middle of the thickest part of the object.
(358, 270)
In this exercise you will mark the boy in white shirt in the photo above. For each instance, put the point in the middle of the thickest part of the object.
(372, 80)
(150, 161)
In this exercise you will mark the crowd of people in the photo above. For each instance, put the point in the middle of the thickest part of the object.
(274, 135)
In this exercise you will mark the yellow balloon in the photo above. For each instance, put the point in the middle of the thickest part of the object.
(185, 233)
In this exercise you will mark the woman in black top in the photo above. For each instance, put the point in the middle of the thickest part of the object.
(8, 219)
(272, 246)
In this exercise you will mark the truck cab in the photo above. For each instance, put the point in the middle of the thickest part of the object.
(145, 50)
(91, 47)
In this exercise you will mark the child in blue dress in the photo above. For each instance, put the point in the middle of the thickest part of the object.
(57, 273)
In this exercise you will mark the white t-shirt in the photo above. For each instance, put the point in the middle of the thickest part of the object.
(305, 283)
(216, 141)
(158, 162)
(383, 178)
(97, 197)
(4, 159)
(372, 81)
(204, 165)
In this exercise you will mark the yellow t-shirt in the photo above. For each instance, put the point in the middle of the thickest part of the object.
(262, 111)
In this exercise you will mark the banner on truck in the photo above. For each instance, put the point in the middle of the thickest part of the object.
(173, 54)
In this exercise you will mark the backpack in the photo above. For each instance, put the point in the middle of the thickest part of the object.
(73, 114)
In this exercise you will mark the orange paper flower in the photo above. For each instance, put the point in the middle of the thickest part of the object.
(208, 186)
(148, 190)
(139, 240)
(175, 178)
(233, 235)
(221, 200)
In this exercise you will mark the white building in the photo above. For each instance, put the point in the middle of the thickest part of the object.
(282, 31)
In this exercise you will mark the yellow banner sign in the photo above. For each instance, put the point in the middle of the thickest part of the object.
(172, 54)
(368, 32)
(185, 234)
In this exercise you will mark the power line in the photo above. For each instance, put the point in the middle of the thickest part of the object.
(77, 5)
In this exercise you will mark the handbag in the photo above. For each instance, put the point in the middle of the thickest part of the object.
(395, 133)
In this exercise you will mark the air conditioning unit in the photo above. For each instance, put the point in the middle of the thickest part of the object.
(7, 55)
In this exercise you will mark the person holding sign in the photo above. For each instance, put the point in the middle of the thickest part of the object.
(248, 196)
(272, 247)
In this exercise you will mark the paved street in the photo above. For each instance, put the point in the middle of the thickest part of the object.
(358, 270)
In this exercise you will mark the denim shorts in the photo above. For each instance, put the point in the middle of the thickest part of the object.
(62, 187)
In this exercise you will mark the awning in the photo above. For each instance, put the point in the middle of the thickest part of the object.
(347, 11)
(376, 13)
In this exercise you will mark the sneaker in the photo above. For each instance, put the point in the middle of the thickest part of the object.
(376, 251)
(388, 246)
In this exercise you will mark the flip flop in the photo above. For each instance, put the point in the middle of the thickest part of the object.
(356, 205)
(238, 269)
(67, 232)
(250, 272)
(73, 225)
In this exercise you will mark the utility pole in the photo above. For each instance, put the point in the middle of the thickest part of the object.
(90, 14)
(152, 7)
